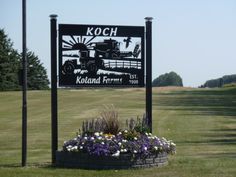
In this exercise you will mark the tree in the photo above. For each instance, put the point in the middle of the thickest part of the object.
(37, 78)
(9, 64)
(168, 79)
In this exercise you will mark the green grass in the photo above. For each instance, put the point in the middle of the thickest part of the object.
(202, 122)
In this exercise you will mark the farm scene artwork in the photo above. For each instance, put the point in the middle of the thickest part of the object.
(101, 55)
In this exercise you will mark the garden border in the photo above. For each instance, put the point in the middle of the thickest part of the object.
(124, 161)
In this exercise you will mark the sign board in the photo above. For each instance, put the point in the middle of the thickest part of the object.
(97, 55)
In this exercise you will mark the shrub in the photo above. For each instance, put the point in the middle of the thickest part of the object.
(109, 115)
(108, 122)
(140, 125)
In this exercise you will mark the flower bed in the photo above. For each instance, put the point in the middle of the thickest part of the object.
(127, 149)
(102, 145)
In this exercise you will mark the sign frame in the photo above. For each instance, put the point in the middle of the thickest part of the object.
(54, 86)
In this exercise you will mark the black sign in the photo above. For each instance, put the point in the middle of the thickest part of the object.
(96, 55)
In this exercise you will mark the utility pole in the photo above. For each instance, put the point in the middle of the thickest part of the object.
(24, 87)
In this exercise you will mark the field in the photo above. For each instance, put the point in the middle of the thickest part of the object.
(202, 122)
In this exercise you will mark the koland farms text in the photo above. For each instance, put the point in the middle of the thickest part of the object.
(98, 80)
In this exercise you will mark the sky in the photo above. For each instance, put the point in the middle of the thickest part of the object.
(194, 38)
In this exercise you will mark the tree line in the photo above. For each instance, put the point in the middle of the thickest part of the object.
(227, 79)
(11, 68)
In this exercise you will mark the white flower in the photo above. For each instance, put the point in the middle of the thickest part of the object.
(126, 131)
(96, 134)
(125, 150)
(135, 138)
(145, 148)
(149, 134)
(85, 137)
(116, 154)
(172, 144)
(69, 148)
(163, 139)
(102, 143)
(119, 133)
(81, 147)
(135, 152)
(119, 143)
(75, 138)
(155, 147)
(146, 133)
(101, 133)
(92, 138)
(124, 141)
(99, 137)
(122, 150)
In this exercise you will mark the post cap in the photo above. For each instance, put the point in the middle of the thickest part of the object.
(148, 18)
(53, 16)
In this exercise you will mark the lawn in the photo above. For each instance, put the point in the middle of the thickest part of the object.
(202, 122)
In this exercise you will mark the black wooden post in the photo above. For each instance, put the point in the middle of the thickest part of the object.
(24, 87)
(149, 71)
(54, 129)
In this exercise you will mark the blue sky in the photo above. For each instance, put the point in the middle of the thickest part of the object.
(195, 38)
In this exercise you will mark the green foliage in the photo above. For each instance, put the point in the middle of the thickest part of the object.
(131, 134)
(227, 79)
(10, 67)
(9, 64)
(168, 79)
(138, 125)
(37, 74)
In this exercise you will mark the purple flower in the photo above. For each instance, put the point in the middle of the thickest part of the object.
(103, 145)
